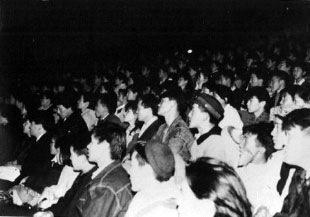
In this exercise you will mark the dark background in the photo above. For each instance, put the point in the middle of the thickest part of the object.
(48, 37)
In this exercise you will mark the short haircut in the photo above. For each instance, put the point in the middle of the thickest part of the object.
(48, 94)
(290, 90)
(298, 117)
(133, 88)
(300, 64)
(260, 93)
(80, 146)
(260, 74)
(212, 179)
(115, 136)
(228, 74)
(223, 92)
(133, 105)
(40, 117)
(150, 101)
(282, 76)
(303, 92)
(178, 96)
(109, 101)
(263, 133)
(88, 97)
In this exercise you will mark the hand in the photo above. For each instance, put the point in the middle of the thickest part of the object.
(262, 212)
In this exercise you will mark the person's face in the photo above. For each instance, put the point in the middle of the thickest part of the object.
(287, 100)
(224, 81)
(164, 106)
(131, 95)
(182, 82)
(275, 84)
(45, 101)
(62, 111)
(81, 104)
(35, 129)
(253, 105)
(254, 81)
(26, 127)
(278, 135)
(121, 98)
(297, 73)
(296, 147)
(97, 150)
(142, 112)
(76, 160)
(101, 110)
(196, 116)
(53, 150)
(130, 116)
(250, 148)
(137, 174)
(190, 205)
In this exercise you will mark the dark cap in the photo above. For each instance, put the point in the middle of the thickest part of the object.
(211, 104)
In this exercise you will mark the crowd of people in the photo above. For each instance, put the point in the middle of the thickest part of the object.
(223, 132)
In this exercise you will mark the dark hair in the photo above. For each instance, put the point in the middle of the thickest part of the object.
(133, 88)
(260, 74)
(133, 105)
(223, 92)
(178, 96)
(150, 101)
(303, 92)
(67, 100)
(227, 74)
(88, 97)
(109, 101)
(48, 94)
(263, 136)
(282, 76)
(42, 118)
(115, 136)
(260, 93)
(298, 117)
(80, 146)
(212, 179)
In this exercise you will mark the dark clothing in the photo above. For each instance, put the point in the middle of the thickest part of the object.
(38, 158)
(284, 173)
(74, 126)
(66, 206)
(147, 134)
(22, 153)
(111, 118)
(177, 136)
(108, 194)
(297, 202)
(249, 119)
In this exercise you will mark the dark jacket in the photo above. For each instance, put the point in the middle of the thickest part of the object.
(73, 126)
(178, 137)
(66, 206)
(108, 194)
(111, 118)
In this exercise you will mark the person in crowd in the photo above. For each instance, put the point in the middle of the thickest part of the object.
(231, 116)
(205, 116)
(302, 97)
(299, 73)
(86, 105)
(259, 172)
(257, 78)
(151, 175)
(97, 80)
(174, 132)
(120, 82)
(164, 81)
(46, 102)
(278, 82)
(109, 192)
(122, 100)
(257, 103)
(105, 109)
(285, 65)
(130, 118)
(212, 188)
(297, 124)
(185, 83)
(66, 206)
(132, 92)
(286, 104)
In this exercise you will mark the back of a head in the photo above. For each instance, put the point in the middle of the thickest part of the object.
(150, 101)
(110, 101)
(298, 117)
(43, 118)
(212, 179)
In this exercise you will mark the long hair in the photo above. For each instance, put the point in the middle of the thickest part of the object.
(212, 179)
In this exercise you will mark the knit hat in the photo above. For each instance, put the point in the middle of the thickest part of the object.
(211, 105)
(161, 159)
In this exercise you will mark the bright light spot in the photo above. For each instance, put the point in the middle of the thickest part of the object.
(190, 51)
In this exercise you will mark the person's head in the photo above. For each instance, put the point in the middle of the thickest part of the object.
(47, 99)
(227, 78)
(302, 97)
(222, 94)
(147, 107)
(278, 81)
(26, 126)
(107, 143)
(97, 79)
(212, 187)
(257, 143)
(257, 99)
(120, 78)
(66, 104)
(206, 109)
(122, 97)
(257, 77)
(297, 126)
(184, 80)
(40, 123)
(287, 96)
(131, 111)
(79, 153)
(285, 65)
(278, 135)
(106, 104)
(299, 71)
(132, 92)
(86, 100)
(150, 162)
(172, 102)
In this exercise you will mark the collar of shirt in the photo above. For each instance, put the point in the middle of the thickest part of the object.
(39, 137)
(146, 125)
(300, 82)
